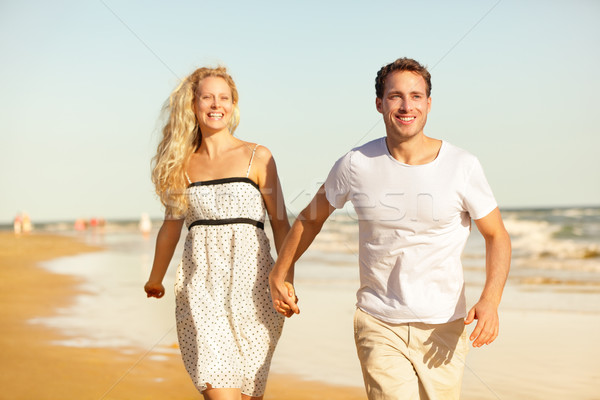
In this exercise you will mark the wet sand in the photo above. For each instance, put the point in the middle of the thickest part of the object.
(34, 368)
(547, 349)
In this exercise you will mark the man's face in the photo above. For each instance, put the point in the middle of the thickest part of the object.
(404, 105)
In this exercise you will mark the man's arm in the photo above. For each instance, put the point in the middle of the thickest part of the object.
(497, 265)
(303, 231)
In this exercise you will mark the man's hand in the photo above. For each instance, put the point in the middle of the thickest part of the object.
(304, 229)
(284, 308)
(284, 297)
(488, 323)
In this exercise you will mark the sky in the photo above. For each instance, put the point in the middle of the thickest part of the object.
(83, 84)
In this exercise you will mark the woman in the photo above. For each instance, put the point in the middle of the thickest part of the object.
(220, 186)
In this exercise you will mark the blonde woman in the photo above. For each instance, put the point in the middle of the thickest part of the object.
(220, 187)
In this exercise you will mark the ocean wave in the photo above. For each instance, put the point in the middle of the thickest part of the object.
(536, 235)
(542, 239)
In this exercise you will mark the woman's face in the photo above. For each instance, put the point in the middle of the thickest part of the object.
(213, 105)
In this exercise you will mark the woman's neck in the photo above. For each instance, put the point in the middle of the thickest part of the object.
(216, 143)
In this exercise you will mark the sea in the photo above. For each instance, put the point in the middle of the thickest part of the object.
(555, 255)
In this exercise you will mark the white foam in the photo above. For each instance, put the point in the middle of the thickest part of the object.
(535, 239)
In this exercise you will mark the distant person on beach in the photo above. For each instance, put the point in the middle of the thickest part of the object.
(26, 225)
(221, 187)
(18, 224)
(414, 197)
(145, 225)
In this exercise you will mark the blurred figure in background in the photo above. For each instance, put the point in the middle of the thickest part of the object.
(18, 224)
(145, 225)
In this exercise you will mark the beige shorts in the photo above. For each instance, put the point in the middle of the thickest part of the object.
(410, 360)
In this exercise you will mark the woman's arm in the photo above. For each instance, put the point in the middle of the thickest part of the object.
(270, 187)
(166, 241)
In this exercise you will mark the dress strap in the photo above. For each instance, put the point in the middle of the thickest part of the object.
(250, 163)
(188, 178)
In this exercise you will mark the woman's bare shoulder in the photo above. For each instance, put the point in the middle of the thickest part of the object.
(261, 152)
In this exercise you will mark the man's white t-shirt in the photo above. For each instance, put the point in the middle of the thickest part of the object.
(414, 221)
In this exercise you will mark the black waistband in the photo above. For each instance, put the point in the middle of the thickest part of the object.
(227, 221)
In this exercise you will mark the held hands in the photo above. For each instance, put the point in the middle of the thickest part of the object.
(486, 330)
(284, 297)
(154, 289)
(284, 308)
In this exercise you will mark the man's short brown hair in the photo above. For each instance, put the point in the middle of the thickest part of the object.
(401, 64)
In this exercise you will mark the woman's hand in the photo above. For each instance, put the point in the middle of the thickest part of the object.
(154, 289)
(284, 308)
(166, 241)
(284, 297)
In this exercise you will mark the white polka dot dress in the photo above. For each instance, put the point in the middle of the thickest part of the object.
(226, 325)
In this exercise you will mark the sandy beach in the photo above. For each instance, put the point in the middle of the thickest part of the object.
(548, 348)
(35, 368)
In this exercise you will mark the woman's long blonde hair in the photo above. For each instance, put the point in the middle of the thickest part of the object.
(181, 137)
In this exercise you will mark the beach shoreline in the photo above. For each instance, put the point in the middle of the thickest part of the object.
(35, 367)
(77, 325)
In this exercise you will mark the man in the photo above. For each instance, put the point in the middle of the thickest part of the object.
(414, 197)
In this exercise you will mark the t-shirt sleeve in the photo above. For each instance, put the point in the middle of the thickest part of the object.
(479, 198)
(337, 184)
